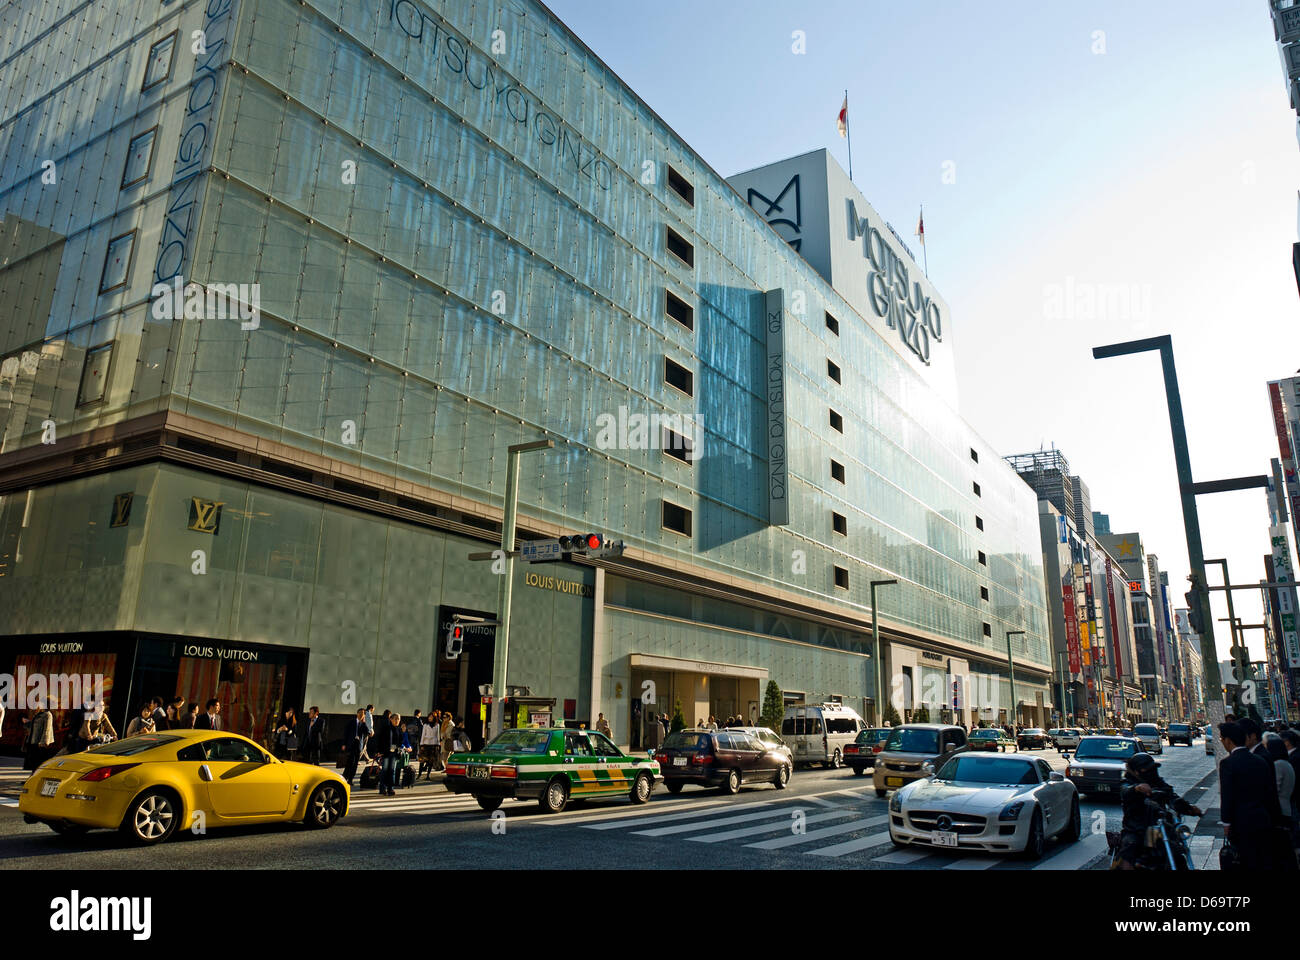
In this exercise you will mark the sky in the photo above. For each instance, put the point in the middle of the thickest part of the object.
(1091, 172)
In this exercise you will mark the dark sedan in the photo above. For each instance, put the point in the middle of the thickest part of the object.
(1033, 738)
(724, 758)
(861, 754)
(1097, 766)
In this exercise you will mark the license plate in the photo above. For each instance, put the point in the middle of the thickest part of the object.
(49, 788)
(479, 773)
(893, 781)
(943, 838)
(679, 761)
(1102, 788)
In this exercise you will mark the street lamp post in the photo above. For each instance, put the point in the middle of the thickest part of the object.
(1238, 648)
(875, 646)
(506, 591)
(1186, 488)
(1011, 666)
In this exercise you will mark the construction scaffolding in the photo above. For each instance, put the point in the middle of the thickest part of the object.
(1048, 473)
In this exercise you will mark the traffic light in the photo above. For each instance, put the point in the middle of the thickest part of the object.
(591, 545)
(1193, 597)
(455, 641)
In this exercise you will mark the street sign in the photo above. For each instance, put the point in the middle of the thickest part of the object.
(539, 551)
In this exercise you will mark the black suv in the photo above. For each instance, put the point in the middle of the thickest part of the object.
(1180, 733)
(724, 758)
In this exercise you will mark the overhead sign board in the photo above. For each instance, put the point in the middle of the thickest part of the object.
(1286, 24)
(538, 551)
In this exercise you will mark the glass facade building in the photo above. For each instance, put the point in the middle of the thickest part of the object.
(281, 282)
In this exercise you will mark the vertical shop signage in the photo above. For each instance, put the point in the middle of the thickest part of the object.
(1071, 627)
(778, 487)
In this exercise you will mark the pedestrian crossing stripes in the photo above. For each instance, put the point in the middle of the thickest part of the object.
(858, 829)
(8, 801)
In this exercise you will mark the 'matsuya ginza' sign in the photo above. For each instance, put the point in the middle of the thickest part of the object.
(902, 305)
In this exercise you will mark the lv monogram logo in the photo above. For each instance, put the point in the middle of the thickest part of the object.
(205, 515)
(122, 509)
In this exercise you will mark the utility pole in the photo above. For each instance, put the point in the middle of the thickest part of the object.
(1191, 519)
(506, 591)
(875, 647)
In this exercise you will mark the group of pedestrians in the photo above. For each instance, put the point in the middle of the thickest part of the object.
(1257, 781)
(386, 744)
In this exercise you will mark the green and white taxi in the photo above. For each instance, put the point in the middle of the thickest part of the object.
(551, 766)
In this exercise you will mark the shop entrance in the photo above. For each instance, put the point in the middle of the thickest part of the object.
(456, 682)
(702, 689)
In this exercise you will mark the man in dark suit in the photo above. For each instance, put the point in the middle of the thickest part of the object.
(315, 735)
(353, 740)
(1291, 738)
(210, 720)
(1248, 798)
(1254, 738)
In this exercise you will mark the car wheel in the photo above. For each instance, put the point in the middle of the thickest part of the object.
(555, 797)
(641, 788)
(674, 786)
(732, 784)
(859, 771)
(489, 803)
(1072, 832)
(151, 818)
(325, 806)
(837, 761)
(782, 777)
(1034, 845)
(880, 794)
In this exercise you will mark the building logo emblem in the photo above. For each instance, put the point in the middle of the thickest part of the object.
(122, 510)
(205, 515)
(787, 202)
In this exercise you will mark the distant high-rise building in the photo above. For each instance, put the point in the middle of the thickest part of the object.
(1101, 523)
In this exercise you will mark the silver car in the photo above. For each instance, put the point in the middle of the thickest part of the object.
(1065, 738)
(995, 803)
(1148, 734)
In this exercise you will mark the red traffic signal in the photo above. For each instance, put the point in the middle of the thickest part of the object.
(594, 541)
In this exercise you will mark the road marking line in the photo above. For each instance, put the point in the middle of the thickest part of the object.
(973, 863)
(710, 824)
(901, 857)
(781, 842)
(609, 823)
(8, 802)
(820, 802)
(770, 827)
(852, 846)
(1076, 854)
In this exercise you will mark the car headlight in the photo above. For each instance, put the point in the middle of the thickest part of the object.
(1074, 771)
(896, 803)
(1012, 810)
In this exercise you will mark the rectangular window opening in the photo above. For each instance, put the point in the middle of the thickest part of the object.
(678, 377)
(841, 578)
(837, 471)
(681, 186)
(979, 523)
(840, 524)
(837, 422)
(832, 324)
(677, 519)
(833, 370)
(988, 630)
(976, 488)
(679, 247)
(678, 446)
(679, 310)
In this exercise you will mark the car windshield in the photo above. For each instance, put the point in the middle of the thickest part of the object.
(903, 740)
(1034, 732)
(1180, 727)
(1150, 729)
(1099, 749)
(874, 735)
(984, 734)
(133, 745)
(687, 741)
(516, 742)
(973, 769)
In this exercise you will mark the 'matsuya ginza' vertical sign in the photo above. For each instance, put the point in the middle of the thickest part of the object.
(778, 487)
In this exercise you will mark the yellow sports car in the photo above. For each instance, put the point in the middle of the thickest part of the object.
(151, 785)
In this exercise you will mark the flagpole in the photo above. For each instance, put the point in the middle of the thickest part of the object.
(925, 249)
(848, 134)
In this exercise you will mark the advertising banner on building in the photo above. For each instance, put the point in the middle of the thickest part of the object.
(1114, 623)
(1085, 643)
(1071, 628)
(1286, 596)
(778, 486)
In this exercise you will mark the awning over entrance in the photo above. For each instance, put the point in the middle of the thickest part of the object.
(676, 665)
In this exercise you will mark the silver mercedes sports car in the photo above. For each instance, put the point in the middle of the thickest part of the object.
(991, 802)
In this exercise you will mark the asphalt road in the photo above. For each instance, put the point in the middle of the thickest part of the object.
(843, 826)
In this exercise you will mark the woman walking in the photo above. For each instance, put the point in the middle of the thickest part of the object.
(286, 735)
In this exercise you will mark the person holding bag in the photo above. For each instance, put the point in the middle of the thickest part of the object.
(144, 723)
(39, 740)
(286, 736)
(96, 728)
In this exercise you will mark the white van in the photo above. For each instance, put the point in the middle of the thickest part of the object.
(819, 733)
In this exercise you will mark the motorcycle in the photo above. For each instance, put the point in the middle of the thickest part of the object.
(1166, 844)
